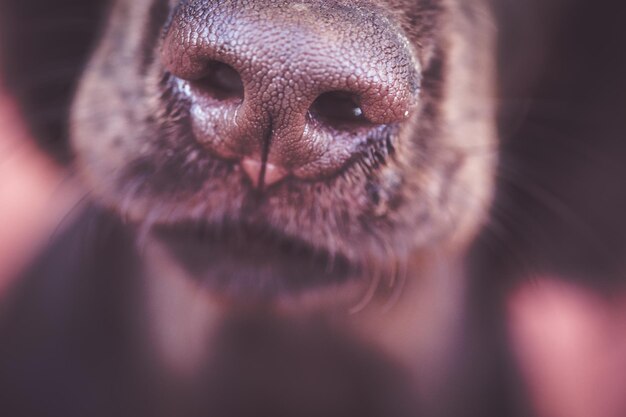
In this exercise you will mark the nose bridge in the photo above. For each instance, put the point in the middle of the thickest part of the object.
(283, 56)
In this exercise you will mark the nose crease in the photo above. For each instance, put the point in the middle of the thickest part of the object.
(260, 171)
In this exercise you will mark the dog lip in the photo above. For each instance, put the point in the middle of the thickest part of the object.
(252, 260)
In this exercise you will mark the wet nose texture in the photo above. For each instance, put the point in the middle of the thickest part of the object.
(290, 88)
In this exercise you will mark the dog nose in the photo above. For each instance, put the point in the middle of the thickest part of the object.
(289, 88)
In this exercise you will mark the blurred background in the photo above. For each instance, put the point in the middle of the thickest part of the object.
(558, 229)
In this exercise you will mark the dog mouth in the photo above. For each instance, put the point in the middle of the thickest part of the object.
(254, 261)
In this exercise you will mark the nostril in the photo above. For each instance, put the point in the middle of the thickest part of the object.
(340, 109)
(221, 81)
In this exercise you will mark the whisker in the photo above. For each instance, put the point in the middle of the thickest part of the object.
(400, 280)
(369, 294)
